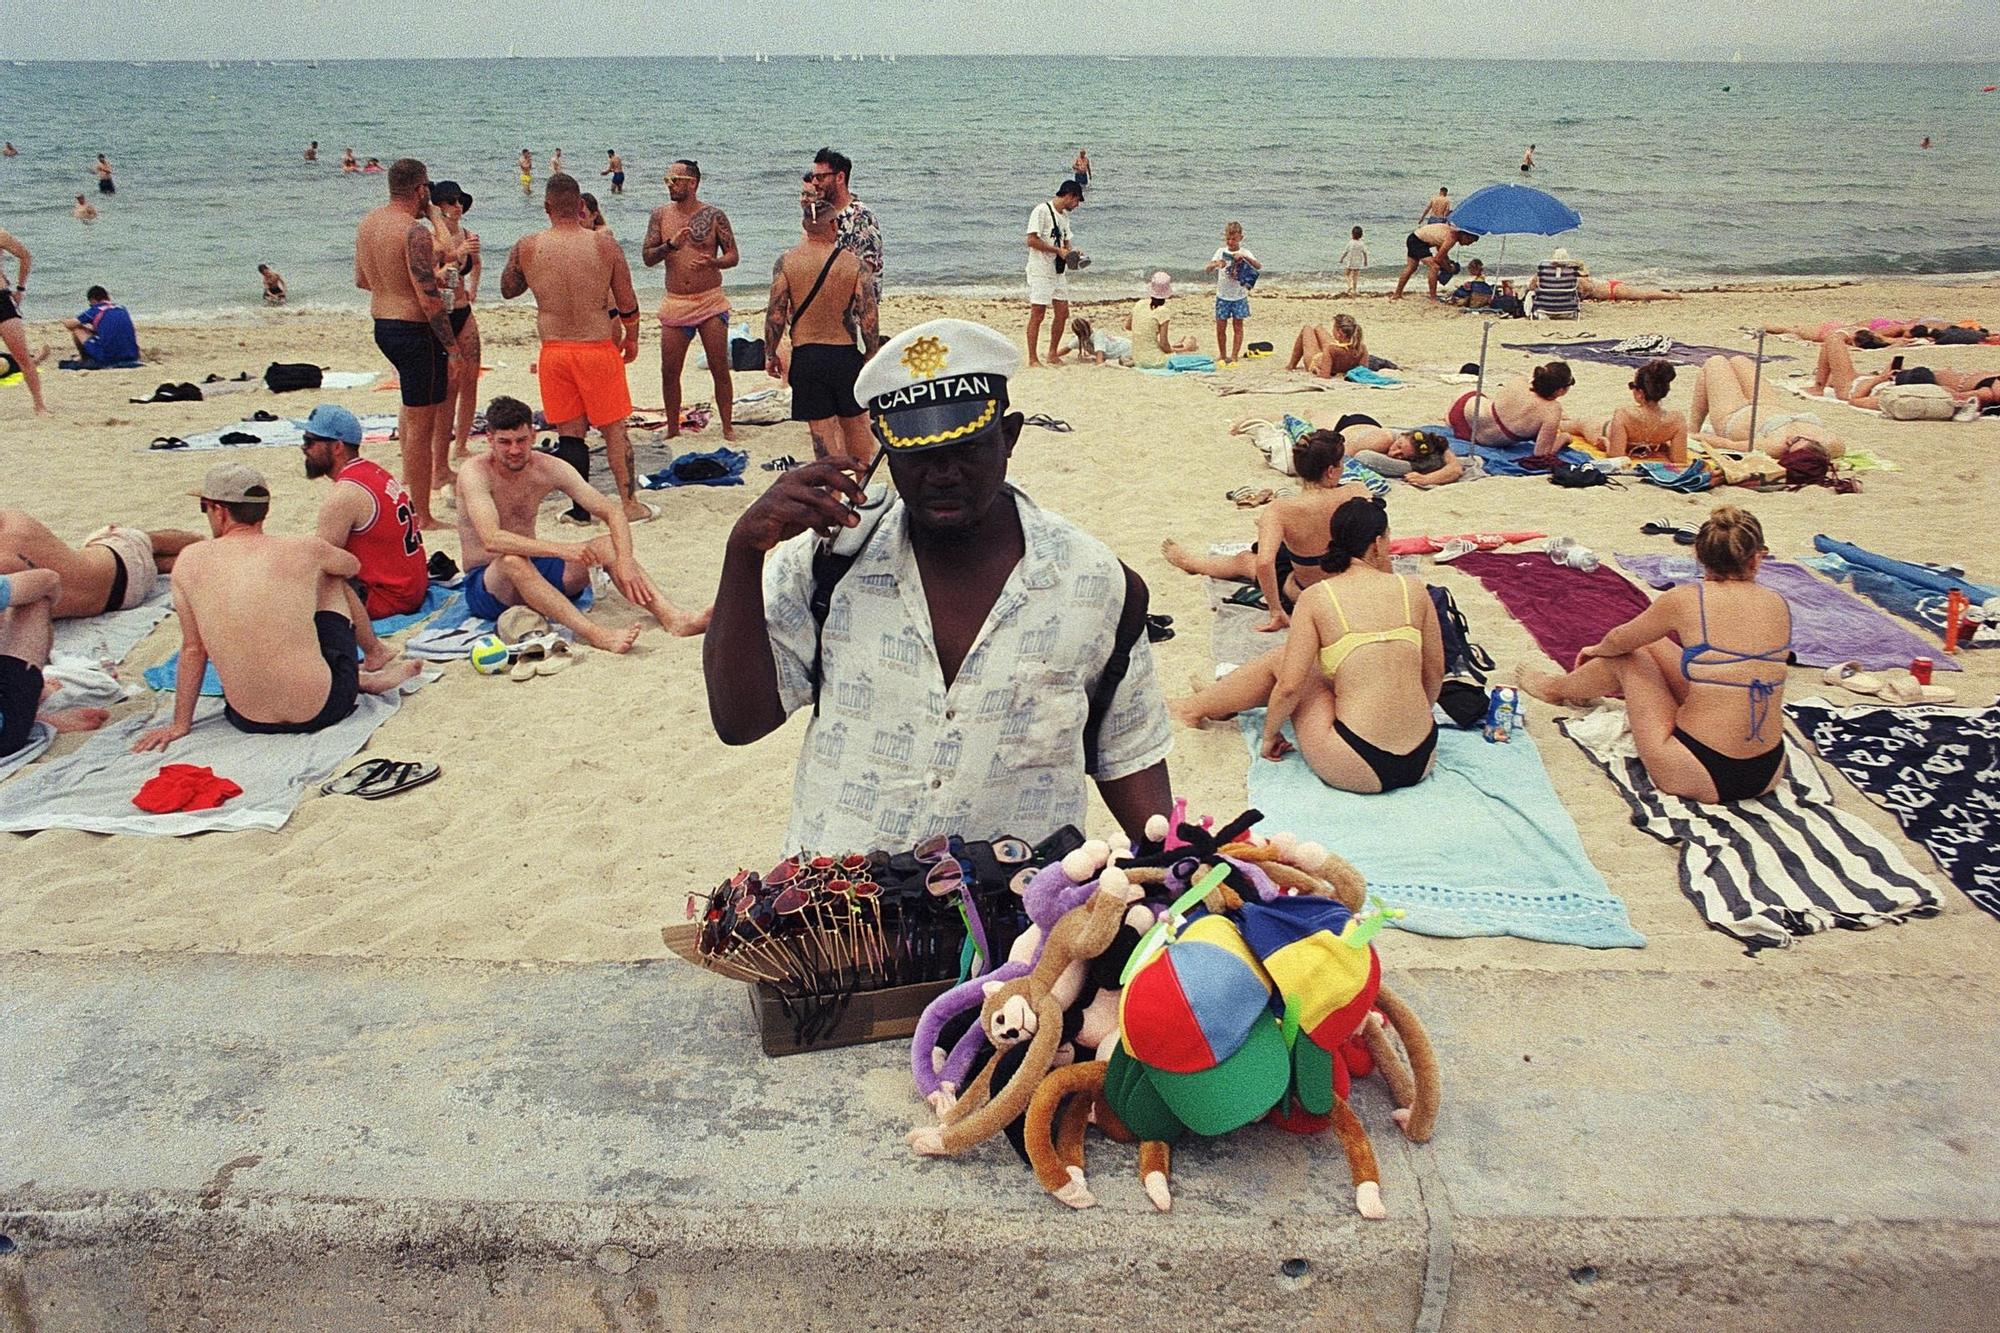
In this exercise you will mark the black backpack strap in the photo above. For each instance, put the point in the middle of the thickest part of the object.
(818, 282)
(1131, 627)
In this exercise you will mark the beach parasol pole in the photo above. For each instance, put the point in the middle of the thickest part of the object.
(1479, 392)
(1756, 383)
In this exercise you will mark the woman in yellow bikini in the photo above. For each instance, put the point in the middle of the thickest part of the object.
(1359, 671)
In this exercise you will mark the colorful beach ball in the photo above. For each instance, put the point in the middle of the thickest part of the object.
(489, 654)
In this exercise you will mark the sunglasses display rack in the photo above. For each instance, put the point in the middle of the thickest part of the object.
(839, 950)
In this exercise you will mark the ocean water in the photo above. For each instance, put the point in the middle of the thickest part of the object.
(1682, 172)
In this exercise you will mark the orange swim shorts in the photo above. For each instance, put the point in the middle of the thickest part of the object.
(584, 380)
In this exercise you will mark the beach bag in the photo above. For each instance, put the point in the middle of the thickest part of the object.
(1576, 476)
(1275, 442)
(287, 376)
(746, 353)
(1462, 657)
(1807, 466)
(1509, 304)
(1915, 402)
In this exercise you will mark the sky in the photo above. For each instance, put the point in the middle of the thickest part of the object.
(1784, 30)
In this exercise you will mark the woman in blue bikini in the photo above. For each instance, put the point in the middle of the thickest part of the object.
(1708, 719)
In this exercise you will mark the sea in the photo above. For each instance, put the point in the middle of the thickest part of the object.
(1683, 173)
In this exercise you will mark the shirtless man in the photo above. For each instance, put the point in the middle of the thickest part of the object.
(695, 241)
(104, 181)
(499, 495)
(1429, 245)
(274, 284)
(13, 329)
(614, 167)
(577, 276)
(828, 298)
(113, 570)
(368, 516)
(395, 262)
(526, 166)
(1438, 209)
(85, 211)
(271, 612)
(25, 638)
(312, 151)
(555, 164)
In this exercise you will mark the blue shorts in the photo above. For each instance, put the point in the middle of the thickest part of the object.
(1237, 309)
(483, 605)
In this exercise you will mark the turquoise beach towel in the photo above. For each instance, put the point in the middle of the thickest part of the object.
(1480, 847)
(1374, 379)
(161, 677)
(1183, 363)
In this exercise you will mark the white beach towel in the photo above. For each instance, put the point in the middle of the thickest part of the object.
(40, 737)
(92, 788)
(109, 637)
(280, 434)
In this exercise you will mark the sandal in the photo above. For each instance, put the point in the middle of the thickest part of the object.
(782, 463)
(526, 659)
(1453, 549)
(363, 774)
(1249, 595)
(1249, 497)
(1906, 690)
(1159, 628)
(555, 659)
(168, 442)
(1849, 676)
(1682, 533)
(399, 776)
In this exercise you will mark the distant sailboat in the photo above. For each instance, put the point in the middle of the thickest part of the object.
(1736, 59)
(512, 54)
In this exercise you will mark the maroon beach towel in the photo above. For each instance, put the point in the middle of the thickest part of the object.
(1565, 609)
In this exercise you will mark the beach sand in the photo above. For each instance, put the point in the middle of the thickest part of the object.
(577, 813)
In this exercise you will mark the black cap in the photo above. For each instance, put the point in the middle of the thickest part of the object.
(447, 192)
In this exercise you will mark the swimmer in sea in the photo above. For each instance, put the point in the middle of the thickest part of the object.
(526, 166)
(85, 211)
(1528, 159)
(274, 284)
(104, 182)
(312, 151)
(614, 167)
(347, 162)
(9, 150)
(555, 163)
(372, 167)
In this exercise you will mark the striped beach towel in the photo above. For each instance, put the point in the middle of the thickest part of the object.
(1768, 870)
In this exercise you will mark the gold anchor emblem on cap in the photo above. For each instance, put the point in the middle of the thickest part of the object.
(925, 357)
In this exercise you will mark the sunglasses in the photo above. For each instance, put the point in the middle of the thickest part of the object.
(816, 177)
(675, 180)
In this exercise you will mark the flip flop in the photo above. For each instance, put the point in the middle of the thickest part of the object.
(354, 779)
(1250, 595)
(168, 442)
(525, 660)
(653, 511)
(1849, 676)
(556, 659)
(1683, 533)
(1249, 497)
(1453, 549)
(1159, 628)
(400, 776)
(1905, 690)
(1047, 422)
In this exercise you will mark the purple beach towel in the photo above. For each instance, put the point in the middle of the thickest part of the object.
(1599, 350)
(1829, 624)
(1565, 609)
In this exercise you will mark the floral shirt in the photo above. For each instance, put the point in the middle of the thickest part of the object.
(860, 233)
(895, 756)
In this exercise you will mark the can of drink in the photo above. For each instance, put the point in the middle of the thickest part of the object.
(1920, 667)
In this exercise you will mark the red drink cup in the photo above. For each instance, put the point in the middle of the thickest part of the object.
(1920, 667)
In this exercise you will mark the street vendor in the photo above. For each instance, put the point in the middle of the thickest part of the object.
(967, 655)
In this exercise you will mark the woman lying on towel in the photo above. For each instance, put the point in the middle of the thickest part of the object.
(1836, 369)
(1517, 413)
(1291, 531)
(1358, 673)
(1421, 458)
(1331, 352)
(1874, 333)
(1617, 289)
(1708, 719)
(1645, 429)
(1722, 400)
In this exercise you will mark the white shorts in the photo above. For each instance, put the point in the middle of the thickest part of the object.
(1045, 287)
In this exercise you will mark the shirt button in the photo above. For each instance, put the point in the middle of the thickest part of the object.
(936, 782)
(951, 715)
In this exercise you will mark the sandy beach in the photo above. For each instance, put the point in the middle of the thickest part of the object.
(576, 814)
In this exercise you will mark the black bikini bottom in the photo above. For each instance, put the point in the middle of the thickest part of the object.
(1735, 779)
(1392, 770)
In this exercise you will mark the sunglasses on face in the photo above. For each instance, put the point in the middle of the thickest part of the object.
(817, 176)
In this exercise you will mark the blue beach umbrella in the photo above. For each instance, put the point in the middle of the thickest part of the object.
(1514, 210)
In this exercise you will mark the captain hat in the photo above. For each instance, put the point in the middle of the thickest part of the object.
(936, 384)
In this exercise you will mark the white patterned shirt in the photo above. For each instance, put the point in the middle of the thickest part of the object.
(893, 756)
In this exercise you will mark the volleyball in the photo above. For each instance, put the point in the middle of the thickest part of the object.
(489, 654)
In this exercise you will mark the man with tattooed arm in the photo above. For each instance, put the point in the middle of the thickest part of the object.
(695, 241)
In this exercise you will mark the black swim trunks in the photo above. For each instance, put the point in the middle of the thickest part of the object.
(104, 185)
(1416, 247)
(343, 660)
(418, 358)
(20, 700)
(823, 377)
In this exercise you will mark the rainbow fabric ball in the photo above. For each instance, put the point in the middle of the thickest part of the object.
(489, 654)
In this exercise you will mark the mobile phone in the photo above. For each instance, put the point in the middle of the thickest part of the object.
(1895, 363)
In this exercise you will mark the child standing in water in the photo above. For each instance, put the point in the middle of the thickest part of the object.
(1231, 266)
(1353, 259)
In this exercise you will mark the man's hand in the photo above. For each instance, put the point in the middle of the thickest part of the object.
(632, 583)
(588, 554)
(807, 497)
(159, 738)
(681, 239)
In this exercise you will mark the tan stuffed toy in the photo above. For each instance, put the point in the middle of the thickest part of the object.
(1065, 1104)
(1029, 1010)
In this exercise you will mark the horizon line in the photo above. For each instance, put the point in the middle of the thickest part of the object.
(866, 57)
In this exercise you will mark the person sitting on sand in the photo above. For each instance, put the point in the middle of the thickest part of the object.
(1430, 245)
(1097, 346)
(1291, 532)
(1722, 401)
(1475, 293)
(1836, 370)
(274, 284)
(1152, 343)
(1365, 655)
(1687, 704)
(271, 613)
(964, 677)
(1421, 458)
(1331, 352)
(499, 495)
(103, 331)
(368, 515)
(1644, 429)
(1517, 412)
(27, 607)
(114, 569)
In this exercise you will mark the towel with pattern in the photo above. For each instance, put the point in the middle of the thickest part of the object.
(1916, 592)
(1937, 770)
(1768, 870)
